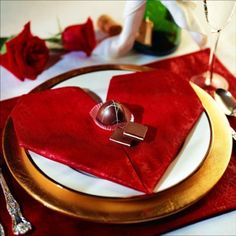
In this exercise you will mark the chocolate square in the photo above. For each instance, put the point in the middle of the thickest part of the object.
(135, 130)
(118, 137)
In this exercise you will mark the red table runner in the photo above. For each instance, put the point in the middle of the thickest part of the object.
(222, 198)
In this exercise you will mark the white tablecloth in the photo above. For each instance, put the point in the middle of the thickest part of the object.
(44, 17)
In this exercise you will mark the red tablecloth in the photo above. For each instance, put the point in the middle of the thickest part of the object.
(222, 198)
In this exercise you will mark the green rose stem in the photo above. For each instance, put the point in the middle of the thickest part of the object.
(3, 41)
(54, 43)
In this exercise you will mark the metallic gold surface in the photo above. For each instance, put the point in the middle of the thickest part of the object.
(145, 32)
(123, 210)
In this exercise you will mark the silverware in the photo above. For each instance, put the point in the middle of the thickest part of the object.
(19, 224)
(233, 132)
(227, 103)
(2, 233)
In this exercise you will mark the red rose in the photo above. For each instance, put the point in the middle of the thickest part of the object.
(26, 55)
(79, 37)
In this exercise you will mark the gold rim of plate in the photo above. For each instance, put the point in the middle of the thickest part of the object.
(122, 210)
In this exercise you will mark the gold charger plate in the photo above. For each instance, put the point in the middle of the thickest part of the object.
(122, 210)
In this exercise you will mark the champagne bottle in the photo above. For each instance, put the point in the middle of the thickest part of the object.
(159, 34)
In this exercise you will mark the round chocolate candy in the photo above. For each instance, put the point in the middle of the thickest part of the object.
(111, 113)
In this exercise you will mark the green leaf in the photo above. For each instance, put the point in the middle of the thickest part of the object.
(2, 44)
(3, 41)
(53, 40)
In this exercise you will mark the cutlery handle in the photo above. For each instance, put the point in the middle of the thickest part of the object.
(2, 233)
(20, 224)
(233, 133)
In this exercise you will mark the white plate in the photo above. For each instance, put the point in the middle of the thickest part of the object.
(187, 162)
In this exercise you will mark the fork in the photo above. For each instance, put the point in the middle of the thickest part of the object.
(19, 224)
(2, 233)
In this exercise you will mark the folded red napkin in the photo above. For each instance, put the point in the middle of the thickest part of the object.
(56, 124)
(165, 103)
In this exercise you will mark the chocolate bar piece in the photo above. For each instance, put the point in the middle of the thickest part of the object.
(135, 130)
(118, 137)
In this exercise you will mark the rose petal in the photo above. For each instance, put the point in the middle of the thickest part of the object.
(79, 37)
(26, 55)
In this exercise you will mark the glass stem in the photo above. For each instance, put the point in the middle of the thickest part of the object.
(215, 39)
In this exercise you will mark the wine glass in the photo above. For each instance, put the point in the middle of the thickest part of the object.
(217, 14)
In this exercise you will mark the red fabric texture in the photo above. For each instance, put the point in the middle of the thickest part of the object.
(26, 55)
(56, 124)
(221, 199)
(154, 97)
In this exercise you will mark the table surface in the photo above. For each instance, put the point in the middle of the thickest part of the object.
(44, 17)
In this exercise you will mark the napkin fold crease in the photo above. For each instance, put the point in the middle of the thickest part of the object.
(170, 108)
(56, 124)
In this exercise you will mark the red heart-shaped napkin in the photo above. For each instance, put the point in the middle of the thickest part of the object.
(56, 124)
(168, 106)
